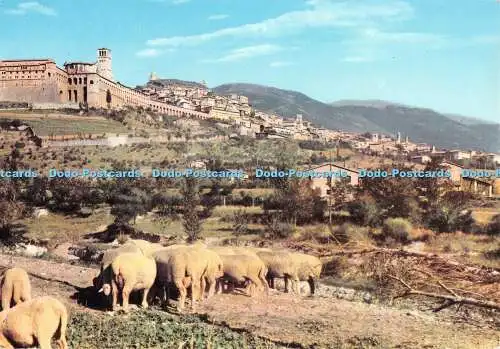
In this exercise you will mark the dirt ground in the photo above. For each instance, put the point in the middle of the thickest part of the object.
(317, 322)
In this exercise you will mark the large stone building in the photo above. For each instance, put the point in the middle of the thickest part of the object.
(42, 81)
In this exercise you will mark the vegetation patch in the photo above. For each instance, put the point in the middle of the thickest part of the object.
(154, 329)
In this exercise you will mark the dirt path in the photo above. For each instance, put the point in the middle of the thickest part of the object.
(312, 322)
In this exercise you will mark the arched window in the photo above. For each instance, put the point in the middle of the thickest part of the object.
(75, 81)
(69, 81)
(91, 82)
(80, 81)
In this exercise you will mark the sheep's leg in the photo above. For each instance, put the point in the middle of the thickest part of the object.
(211, 288)
(254, 284)
(61, 331)
(114, 292)
(295, 286)
(182, 294)
(218, 286)
(312, 285)
(6, 297)
(145, 298)
(166, 294)
(125, 297)
(264, 284)
(203, 286)
(195, 285)
(16, 296)
(287, 284)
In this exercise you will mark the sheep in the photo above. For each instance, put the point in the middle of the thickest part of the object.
(147, 248)
(230, 250)
(243, 268)
(233, 250)
(129, 272)
(281, 264)
(34, 322)
(107, 258)
(309, 269)
(15, 287)
(183, 266)
(109, 255)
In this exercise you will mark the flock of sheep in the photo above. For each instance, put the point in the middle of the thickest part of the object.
(154, 269)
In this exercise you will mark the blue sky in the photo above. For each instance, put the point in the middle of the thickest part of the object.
(440, 54)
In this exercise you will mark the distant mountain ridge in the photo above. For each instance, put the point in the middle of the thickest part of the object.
(422, 125)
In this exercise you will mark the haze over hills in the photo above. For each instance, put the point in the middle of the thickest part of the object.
(420, 124)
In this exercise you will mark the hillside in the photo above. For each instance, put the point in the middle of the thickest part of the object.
(167, 82)
(420, 124)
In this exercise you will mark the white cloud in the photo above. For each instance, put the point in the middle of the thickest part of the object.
(248, 52)
(279, 64)
(217, 17)
(152, 52)
(149, 52)
(24, 8)
(318, 14)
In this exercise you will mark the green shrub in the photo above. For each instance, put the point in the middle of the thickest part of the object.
(278, 228)
(493, 227)
(396, 229)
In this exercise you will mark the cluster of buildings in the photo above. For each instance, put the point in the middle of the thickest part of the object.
(422, 153)
(196, 97)
(43, 84)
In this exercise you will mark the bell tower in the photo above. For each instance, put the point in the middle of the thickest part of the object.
(104, 63)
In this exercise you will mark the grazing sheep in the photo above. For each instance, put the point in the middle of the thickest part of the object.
(245, 268)
(231, 251)
(130, 272)
(15, 287)
(281, 264)
(107, 258)
(183, 266)
(33, 323)
(215, 270)
(309, 269)
(147, 248)
(109, 255)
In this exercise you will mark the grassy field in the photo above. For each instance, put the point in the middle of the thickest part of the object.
(60, 228)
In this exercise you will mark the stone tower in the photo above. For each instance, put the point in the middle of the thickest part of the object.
(153, 76)
(104, 63)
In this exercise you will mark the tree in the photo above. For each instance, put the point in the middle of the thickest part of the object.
(240, 223)
(108, 98)
(128, 203)
(394, 196)
(190, 202)
(38, 193)
(67, 194)
(296, 200)
(10, 208)
(451, 212)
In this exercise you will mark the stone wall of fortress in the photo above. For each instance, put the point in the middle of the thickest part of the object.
(31, 81)
(41, 81)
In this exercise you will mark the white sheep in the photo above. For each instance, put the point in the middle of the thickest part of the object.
(34, 322)
(129, 272)
(15, 287)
